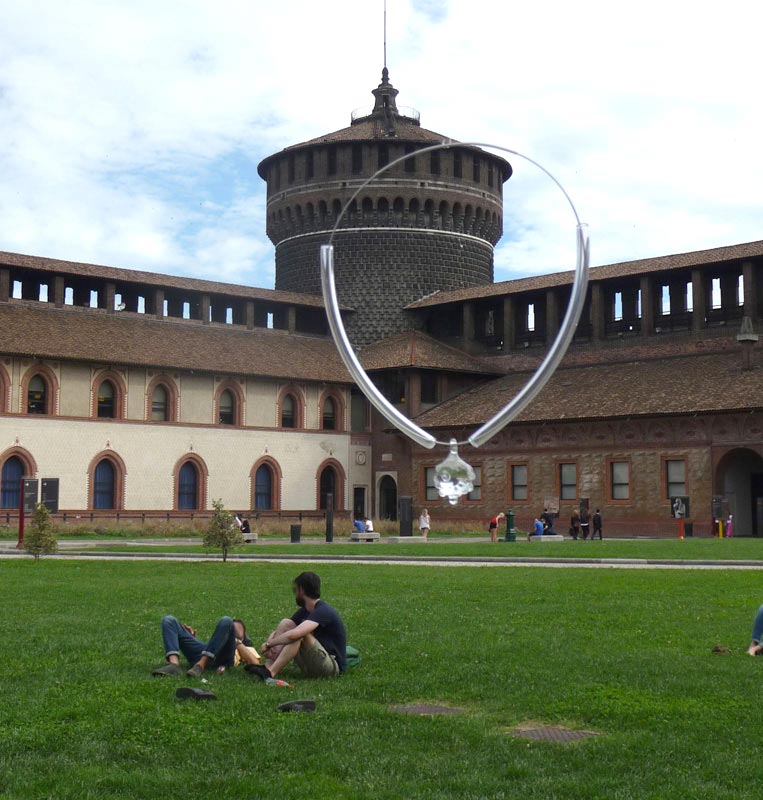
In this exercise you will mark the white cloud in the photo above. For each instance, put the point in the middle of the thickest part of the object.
(132, 131)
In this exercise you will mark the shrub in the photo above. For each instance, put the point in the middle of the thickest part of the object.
(40, 538)
(222, 533)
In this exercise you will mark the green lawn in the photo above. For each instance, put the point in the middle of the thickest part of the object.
(625, 653)
(713, 549)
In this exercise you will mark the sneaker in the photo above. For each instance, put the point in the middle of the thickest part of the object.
(191, 693)
(258, 671)
(168, 670)
(196, 671)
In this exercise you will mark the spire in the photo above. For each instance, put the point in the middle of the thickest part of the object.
(385, 94)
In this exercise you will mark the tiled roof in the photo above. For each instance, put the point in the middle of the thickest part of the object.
(373, 128)
(416, 349)
(684, 385)
(696, 258)
(133, 340)
(123, 276)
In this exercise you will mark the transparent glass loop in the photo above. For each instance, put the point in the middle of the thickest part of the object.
(531, 389)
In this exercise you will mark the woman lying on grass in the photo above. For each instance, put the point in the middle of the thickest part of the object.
(756, 648)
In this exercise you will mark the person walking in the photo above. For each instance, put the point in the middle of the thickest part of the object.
(493, 527)
(424, 523)
(596, 525)
(585, 521)
(575, 524)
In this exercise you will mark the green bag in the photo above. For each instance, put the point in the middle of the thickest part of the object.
(353, 657)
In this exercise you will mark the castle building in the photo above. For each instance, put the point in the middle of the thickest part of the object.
(149, 395)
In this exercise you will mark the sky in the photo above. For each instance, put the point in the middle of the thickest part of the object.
(131, 131)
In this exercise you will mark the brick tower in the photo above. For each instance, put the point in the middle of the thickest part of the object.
(430, 223)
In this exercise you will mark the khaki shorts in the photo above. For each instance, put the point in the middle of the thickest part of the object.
(315, 662)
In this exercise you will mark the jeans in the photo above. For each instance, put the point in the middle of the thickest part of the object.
(220, 649)
(757, 628)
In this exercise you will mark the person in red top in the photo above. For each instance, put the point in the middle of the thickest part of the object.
(493, 527)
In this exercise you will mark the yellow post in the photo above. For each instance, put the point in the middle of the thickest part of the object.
(720, 529)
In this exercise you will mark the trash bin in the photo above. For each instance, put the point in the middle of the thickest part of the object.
(688, 529)
(296, 534)
(511, 531)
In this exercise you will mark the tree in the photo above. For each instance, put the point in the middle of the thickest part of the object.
(40, 538)
(222, 533)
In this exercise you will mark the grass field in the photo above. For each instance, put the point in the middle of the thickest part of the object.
(624, 653)
(691, 549)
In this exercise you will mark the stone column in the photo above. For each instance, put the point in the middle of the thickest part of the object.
(109, 291)
(677, 291)
(159, 303)
(291, 319)
(59, 290)
(468, 326)
(647, 305)
(729, 291)
(699, 300)
(597, 311)
(509, 323)
(751, 286)
(414, 393)
(249, 315)
(205, 303)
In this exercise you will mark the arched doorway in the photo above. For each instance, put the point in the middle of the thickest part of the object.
(739, 478)
(388, 498)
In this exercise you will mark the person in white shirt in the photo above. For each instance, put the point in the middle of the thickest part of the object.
(424, 523)
(369, 526)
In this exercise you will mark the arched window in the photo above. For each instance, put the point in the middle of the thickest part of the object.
(188, 487)
(105, 402)
(104, 485)
(160, 404)
(263, 488)
(328, 484)
(288, 412)
(37, 396)
(227, 413)
(328, 418)
(10, 482)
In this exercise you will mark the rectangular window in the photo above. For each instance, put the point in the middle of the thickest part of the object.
(620, 480)
(519, 482)
(458, 168)
(476, 492)
(568, 481)
(434, 162)
(331, 157)
(410, 162)
(431, 489)
(476, 169)
(490, 175)
(383, 155)
(309, 165)
(675, 478)
(291, 168)
(358, 411)
(357, 158)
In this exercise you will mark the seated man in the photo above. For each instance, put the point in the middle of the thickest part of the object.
(314, 638)
(756, 645)
(228, 646)
(359, 526)
(537, 529)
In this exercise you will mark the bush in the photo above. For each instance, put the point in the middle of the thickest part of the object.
(40, 539)
(222, 533)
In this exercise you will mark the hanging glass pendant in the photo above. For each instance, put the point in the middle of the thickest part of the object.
(453, 477)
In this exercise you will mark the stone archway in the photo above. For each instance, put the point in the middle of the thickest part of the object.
(739, 478)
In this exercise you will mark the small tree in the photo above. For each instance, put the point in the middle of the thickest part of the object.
(40, 539)
(222, 533)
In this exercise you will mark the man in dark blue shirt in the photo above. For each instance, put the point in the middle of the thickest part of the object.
(314, 638)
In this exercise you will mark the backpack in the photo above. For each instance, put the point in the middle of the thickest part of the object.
(353, 657)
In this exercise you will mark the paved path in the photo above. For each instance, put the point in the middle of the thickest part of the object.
(431, 561)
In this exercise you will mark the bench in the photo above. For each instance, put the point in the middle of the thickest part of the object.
(250, 538)
(548, 537)
(364, 536)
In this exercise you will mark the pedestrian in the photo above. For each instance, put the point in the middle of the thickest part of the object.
(493, 527)
(596, 525)
(575, 524)
(585, 520)
(424, 523)
(547, 520)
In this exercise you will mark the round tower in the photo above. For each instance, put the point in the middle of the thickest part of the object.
(429, 223)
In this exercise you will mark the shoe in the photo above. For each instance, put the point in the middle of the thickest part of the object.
(298, 705)
(191, 693)
(258, 671)
(168, 670)
(196, 671)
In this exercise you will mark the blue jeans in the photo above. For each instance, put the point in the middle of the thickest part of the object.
(220, 649)
(757, 628)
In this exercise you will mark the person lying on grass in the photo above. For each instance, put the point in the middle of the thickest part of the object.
(756, 648)
(228, 647)
(314, 638)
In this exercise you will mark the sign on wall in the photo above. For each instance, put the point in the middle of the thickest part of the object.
(679, 507)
